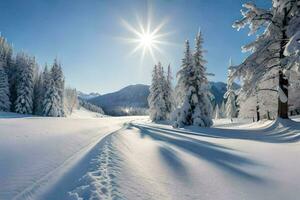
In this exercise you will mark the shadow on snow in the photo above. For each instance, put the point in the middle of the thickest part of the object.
(281, 131)
(222, 157)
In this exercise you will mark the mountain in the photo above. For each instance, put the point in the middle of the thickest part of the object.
(127, 101)
(85, 96)
(132, 100)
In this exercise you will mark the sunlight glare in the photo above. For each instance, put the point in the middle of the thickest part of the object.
(147, 39)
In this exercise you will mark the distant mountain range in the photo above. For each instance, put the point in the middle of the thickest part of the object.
(124, 100)
(133, 98)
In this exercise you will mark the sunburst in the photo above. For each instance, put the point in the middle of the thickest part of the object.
(147, 40)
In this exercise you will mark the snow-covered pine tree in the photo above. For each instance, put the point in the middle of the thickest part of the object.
(59, 82)
(25, 84)
(194, 106)
(168, 92)
(157, 105)
(4, 90)
(51, 101)
(230, 96)
(6, 58)
(276, 48)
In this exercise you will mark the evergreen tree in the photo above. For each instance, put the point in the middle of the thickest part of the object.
(25, 84)
(275, 49)
(192, 89)
(169, 93)
(51, 102)
(4, 91)
(7, 62)
(157, 105)
(59, 82)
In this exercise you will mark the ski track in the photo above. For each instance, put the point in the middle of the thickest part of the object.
(99, 182)
(28, 193)
(98, 176)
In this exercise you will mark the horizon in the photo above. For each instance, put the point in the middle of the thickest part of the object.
(88, 38)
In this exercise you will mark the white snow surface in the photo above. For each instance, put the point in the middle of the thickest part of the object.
(84, 113)
(132, 158)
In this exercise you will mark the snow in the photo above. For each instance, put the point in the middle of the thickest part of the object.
(84, 113)
(34, 150)
(133, 158)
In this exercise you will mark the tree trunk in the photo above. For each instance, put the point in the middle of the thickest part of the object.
(283, 106)
(283, 80)
(257, 113)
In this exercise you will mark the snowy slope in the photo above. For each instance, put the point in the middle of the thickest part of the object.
(84, 113)
(79, 159)
(150, 161)
(33, 151)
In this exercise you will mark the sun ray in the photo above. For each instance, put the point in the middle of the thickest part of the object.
(130, 28)
(136, 49)
(147, 38)
(162, 35)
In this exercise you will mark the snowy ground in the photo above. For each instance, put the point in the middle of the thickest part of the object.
(131, 158)
(84, 113)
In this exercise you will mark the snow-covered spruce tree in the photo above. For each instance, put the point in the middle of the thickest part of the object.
(157, 105)
(231, 108)
(168, 93)
(7, 60)
(276, 48)
(194, 106)
(51, 101)
(4, 91)
(25, 84)
(59, 82)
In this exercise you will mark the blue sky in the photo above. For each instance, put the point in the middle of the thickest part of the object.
(85, 36)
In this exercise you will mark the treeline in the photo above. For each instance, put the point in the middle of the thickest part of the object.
(25, 88)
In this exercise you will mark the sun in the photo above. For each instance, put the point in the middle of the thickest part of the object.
(147, 40)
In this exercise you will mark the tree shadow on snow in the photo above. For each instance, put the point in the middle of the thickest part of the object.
(281, 131)
(171, 159)
(222, 157)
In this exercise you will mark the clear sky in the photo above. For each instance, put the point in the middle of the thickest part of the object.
(85, 35)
